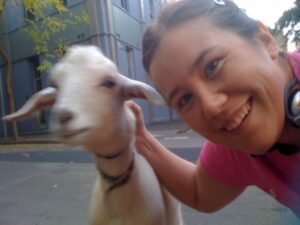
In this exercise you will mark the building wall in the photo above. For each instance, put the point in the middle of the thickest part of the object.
(21, 51)
(121, 36)
(3, 125)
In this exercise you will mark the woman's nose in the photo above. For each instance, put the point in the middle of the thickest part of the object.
(212, 103)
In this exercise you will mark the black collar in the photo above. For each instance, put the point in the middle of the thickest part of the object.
(117, 181)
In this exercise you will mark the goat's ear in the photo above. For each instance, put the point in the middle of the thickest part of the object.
(136, 89)
(39, 101)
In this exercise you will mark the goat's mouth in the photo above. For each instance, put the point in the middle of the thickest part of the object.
(68, 134)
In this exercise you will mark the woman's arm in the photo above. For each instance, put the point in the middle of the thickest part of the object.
(188, 182)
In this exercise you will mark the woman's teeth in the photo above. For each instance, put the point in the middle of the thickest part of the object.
(237, 121)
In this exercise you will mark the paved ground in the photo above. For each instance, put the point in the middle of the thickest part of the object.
(50, 184)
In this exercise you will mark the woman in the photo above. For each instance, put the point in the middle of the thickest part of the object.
(224, 75)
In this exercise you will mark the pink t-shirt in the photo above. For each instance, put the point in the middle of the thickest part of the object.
(276, 174)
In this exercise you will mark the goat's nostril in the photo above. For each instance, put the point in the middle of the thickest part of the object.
(64, 116)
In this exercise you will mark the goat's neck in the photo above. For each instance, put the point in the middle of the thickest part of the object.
(121, 143)
(117, 165)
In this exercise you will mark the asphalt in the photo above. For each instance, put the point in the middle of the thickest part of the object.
(159, 129)
(44, 182)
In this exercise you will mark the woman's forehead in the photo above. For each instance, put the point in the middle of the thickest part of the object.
(188, 46)
(186, 40)
(200, 29)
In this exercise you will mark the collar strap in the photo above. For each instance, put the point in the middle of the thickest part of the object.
(117, 181)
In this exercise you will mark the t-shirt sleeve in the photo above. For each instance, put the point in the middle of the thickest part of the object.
(223, 164)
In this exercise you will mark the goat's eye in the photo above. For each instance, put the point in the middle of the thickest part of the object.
(109, 84)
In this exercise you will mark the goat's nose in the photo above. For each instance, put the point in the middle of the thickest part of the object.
(64, 116)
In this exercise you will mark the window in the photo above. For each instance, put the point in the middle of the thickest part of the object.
(34, 63)
(151, 8)
(125, 4)
(65, 2)
(130, 61)
(29, 15)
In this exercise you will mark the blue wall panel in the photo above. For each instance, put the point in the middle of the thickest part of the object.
(3, 124)
(128, 31)
(24, 88)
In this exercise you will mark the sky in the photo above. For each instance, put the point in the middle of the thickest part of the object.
(267, 11)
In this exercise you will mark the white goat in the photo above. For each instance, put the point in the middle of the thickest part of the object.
(87, 100)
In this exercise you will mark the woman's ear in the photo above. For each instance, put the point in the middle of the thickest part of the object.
(267, 39)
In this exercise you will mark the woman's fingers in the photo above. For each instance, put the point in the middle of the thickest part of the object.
(136, 109)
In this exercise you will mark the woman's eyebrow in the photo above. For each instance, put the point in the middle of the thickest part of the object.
(191, 70)
(199, 59)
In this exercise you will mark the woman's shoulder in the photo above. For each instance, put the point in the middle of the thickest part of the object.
(213, 153)
(220, 149)
(224, 163)
(224, 156)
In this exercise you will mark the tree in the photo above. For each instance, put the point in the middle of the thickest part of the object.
(42, 28)
(289, 22)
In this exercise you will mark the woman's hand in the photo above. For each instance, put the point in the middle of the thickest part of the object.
(188, 182)
(136, 109)
(143, 136)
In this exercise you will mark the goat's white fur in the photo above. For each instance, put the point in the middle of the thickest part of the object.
(88, 109)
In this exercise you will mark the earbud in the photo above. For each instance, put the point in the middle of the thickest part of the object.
(295, 105)
(292, 103)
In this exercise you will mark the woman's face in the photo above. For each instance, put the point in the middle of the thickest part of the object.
(228, 89)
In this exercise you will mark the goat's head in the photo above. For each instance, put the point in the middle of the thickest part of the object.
(87, 96)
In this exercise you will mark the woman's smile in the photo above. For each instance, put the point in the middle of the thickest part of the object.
(238, 117)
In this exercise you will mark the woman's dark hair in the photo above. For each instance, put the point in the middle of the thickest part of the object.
(223, 13)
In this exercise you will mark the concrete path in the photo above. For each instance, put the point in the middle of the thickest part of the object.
(50, 184)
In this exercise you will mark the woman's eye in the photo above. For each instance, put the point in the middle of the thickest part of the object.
(184, 100)
(211, 67)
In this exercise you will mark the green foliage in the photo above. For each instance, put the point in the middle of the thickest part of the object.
(2, 5)
(290, 22)
(45, 21)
